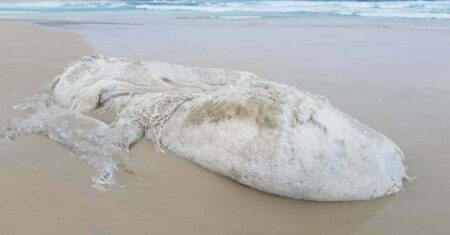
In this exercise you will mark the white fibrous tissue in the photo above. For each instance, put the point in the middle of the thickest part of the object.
(266, 135)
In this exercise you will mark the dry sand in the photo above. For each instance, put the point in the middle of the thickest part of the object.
(46, 190)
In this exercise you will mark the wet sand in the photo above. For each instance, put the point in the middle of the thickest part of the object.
(46, 189)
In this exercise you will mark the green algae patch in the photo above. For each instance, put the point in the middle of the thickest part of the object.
(264, 112)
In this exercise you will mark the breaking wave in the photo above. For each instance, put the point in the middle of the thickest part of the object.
(264, 8)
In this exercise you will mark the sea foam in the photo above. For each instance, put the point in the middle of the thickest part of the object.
(94, 10)
(269, 136)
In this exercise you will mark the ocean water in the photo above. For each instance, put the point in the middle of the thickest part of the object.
(137, 11)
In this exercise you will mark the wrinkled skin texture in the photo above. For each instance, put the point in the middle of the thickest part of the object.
(269, 136)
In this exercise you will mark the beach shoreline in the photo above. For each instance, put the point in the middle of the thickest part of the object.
(49, 189)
